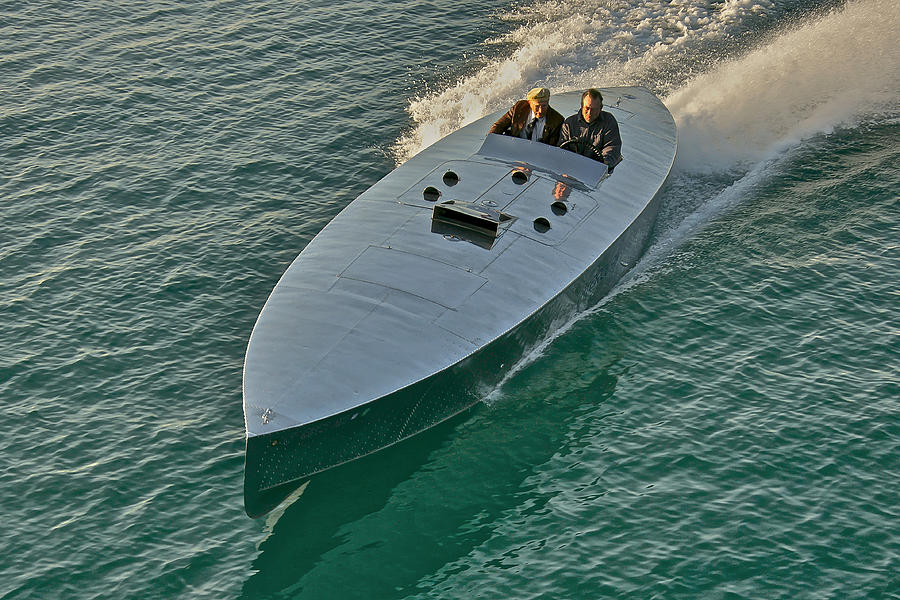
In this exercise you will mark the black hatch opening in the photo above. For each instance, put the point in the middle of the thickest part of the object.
(473, 223)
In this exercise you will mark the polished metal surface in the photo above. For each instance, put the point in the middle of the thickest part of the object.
(391, 321)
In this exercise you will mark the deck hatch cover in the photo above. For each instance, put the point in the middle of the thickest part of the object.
(424, 277)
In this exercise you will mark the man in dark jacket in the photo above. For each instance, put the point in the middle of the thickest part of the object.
(532, 119)
(593, 132)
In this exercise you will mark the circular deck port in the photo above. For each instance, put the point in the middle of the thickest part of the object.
(519, 177)
(450, 178)
(431, 194)
(489, 203)
(541, 225)
(559, 208)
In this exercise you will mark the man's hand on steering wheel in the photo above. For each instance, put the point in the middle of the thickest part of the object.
(582, 147)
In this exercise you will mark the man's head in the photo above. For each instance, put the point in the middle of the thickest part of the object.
(591, 104)
(539, 99)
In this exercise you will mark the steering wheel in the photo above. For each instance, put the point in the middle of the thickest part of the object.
(582, 147)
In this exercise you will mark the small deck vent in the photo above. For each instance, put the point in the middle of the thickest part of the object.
(520, 177)
(431, 194)
(542, 225)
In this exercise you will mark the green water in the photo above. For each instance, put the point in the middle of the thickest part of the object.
(724, 425)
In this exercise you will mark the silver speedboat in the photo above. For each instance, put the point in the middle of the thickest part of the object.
(411, 304)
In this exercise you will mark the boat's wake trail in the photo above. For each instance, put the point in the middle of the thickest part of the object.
(833, 71)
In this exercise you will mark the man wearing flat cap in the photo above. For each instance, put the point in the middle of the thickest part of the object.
(532, 119)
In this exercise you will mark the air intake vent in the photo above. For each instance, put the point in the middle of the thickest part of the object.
(477, 218)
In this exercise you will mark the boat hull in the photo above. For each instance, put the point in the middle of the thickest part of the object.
(278, 461)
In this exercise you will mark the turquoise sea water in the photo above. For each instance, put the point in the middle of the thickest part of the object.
(725, 425)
